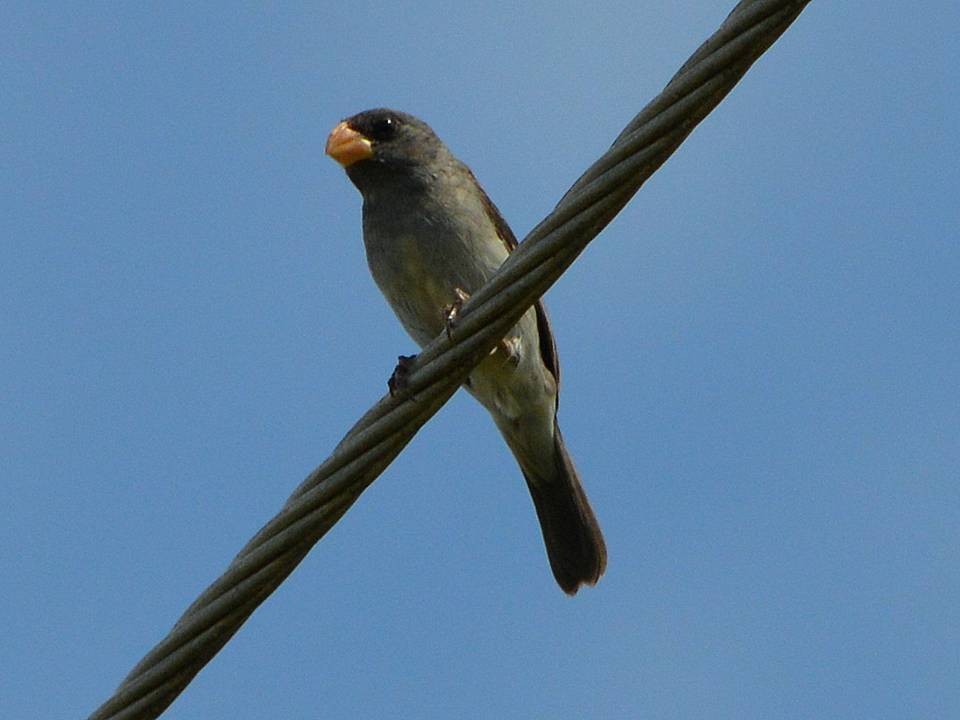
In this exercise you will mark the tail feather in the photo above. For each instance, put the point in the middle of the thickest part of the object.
(574, 542)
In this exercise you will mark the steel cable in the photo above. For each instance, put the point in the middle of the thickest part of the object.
(379, 436)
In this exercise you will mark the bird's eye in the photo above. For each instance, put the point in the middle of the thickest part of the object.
(384, 128)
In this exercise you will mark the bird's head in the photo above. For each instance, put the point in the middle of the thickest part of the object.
(382, 145)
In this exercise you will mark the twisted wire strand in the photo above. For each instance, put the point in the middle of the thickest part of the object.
(384, 430)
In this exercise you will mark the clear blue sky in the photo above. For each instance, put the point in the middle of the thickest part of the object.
(761, 362)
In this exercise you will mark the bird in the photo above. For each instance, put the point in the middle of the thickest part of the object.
(432, 237)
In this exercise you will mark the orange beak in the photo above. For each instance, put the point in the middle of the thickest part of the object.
(347, 146)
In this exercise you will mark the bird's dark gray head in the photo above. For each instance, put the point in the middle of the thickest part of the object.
(382, 146)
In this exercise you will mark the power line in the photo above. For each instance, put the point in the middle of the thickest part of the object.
(379, 436)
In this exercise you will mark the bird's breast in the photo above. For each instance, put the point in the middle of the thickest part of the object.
(412, 274)
(420, 252)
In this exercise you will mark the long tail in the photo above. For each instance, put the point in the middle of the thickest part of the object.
(575, 546)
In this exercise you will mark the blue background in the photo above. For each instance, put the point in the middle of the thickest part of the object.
(761, 360)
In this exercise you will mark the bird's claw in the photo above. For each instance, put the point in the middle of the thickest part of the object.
(401, 373)
(510, 347)
(452, 311)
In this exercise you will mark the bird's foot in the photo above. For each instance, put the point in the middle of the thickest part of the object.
(452, 311)
(510, 347)
(401, 374)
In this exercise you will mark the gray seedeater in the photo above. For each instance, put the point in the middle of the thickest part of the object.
(432, 237)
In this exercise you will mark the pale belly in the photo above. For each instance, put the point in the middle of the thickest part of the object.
(420, 285)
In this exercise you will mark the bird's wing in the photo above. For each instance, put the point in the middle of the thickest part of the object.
(548, 346)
